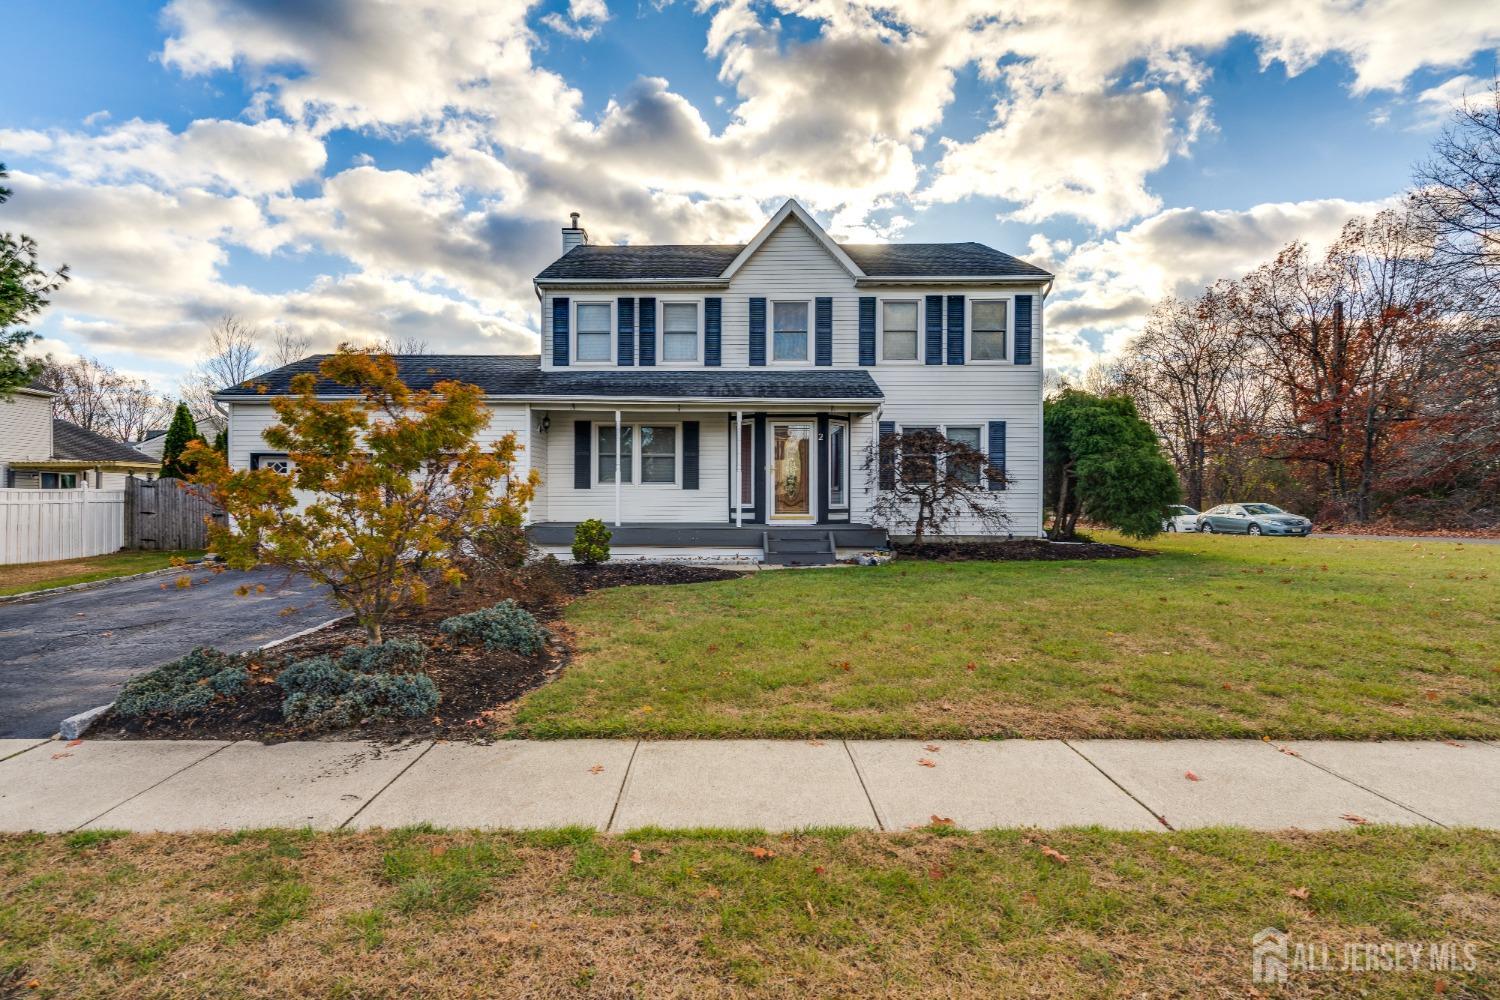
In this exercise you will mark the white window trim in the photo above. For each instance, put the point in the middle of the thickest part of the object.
(661, 333)
(981, 425)
(614, 333)
(848, 464)
(880, 358)
(1010, 329)
(635, 454)
(812, 323)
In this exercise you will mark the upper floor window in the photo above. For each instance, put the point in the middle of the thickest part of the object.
(989, 318)
(594, 331)
(899, 331)
(679, 338)
(789, 326)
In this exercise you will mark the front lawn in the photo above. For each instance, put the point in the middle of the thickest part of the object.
(23, 578)
(569, 913)
(1211, 636)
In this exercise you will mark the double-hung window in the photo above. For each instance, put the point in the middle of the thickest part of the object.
(594, 331)
(989, 318)
(645, 453)
(969, 437)
(679, 338)
(789, 331)
(612, 457)
(918, 464)
(898, 331)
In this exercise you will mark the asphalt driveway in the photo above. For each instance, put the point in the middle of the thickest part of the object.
(68, 652)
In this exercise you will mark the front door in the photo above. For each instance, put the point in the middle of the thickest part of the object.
(791, 470)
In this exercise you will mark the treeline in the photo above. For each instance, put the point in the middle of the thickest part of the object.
(1359, 385)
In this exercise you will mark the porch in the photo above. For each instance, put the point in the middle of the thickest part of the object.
(799, 545)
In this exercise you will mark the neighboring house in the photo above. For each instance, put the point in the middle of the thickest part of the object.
(38, 451)
(723, 400)
(155, 441)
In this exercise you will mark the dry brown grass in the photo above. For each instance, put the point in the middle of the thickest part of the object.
(567, 913)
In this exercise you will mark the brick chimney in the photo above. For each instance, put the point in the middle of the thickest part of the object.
(574, 235)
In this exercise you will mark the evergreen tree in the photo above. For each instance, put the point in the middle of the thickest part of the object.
(182, 432)
(24, 287)
(1104, 462)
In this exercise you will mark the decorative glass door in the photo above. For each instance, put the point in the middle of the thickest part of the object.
(791, 471)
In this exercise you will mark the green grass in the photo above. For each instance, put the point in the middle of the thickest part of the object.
(25, 578)
(1210, 636)
(925, 913)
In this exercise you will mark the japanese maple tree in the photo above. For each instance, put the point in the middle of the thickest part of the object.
(385, 484)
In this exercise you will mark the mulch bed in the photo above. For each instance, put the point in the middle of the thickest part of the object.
(477, 684)
(1019, 549)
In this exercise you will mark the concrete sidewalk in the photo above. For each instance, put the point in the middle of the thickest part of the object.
(618, 785)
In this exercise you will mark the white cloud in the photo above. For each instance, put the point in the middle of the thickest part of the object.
(1107, 286)
(583, 21)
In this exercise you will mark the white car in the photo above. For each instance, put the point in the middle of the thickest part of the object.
(1180, 517)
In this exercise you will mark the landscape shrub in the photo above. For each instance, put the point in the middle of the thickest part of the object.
(186, 685)
(591, 542)
(378, 681)
(504, 626)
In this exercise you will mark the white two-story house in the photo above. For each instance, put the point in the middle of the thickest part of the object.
(722, 400)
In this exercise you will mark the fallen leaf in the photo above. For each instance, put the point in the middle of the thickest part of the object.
(1430, 695)
(941, 820)
(1300, 892)
(932, 748)
(818, 869)
(74, 743)
(1355, 819)
(927, 763)
(1189, 775)
(597, 769)
(970, 666)
(635, 857)
(1440, 986)
(762, 853)
(936, 874)
(815, 743)
(1053, 853)
(60, 756)
(1454, 743)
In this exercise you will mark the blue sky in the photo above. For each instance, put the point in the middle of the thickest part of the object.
(359, 169)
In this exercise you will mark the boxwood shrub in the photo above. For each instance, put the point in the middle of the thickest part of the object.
(504, 626)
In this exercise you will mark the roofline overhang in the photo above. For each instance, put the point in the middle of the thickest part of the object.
(26, 390)
(84, 463)
(626, 282)
(575, 400)
(967, 279)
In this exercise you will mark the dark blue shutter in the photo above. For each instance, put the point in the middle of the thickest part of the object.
(955, 329)
(560, 332)
(690, 454)
(823, 330)
(625, 320)
(582, 453)
(648, 332)
(1023, 329)
(934, 329)
(757, 331)
(997, 452)
(867, 329)
(887, 448)
(713, 331)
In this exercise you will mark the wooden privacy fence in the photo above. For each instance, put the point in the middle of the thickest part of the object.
(166, 514)
(42, 525)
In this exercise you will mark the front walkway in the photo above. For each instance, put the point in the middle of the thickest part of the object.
(619, 785)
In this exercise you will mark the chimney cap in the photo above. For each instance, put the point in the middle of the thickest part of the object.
(574, 217)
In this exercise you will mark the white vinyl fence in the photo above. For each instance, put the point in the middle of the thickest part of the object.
(42, 525)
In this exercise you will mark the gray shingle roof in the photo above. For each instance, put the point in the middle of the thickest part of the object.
(520, 375)
(928, 260)
(71, 443)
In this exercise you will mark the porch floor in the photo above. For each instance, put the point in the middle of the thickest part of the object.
(710, 534)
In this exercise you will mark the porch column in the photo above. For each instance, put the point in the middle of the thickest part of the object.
(619, 465)
(736, 460)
